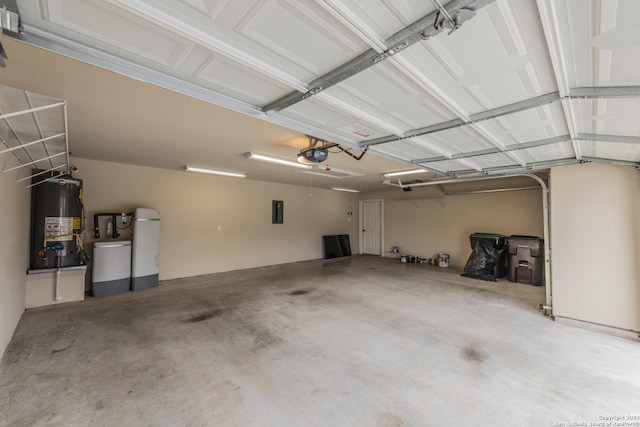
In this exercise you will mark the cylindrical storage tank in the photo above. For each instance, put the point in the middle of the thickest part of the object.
(56, 223)
(145, 250)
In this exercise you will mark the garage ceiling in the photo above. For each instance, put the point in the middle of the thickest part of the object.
(521, 85)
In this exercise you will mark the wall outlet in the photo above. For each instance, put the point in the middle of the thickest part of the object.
(219, 228)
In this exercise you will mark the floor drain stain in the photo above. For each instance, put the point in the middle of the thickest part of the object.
(204, 316)
(473, 355)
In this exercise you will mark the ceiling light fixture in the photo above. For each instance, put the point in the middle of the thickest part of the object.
(407, 172)
(323, 174)
(214, 171)
(264, 158)
(348, 190)
(332, 172)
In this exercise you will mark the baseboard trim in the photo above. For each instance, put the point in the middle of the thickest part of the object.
(603, 329)
(6, 345)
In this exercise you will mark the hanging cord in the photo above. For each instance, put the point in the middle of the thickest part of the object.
(320, 143)
(348, 151)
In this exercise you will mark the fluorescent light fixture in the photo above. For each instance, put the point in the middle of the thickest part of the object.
(332, 173)
(214, 171)
(323, 174)
(264, 158)
(408, 172)
(348, 190)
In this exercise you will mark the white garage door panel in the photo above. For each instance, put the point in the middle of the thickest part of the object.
(547, 152)
(380, 86)
(419, 112)
(608, 116)
(408, 149)
(457, 165)
(605, 32)
(323, 115)
(619, 67)
(387, 93)
(460, 140)
(611, 150)
(118, 31)
(204, 7)
(494, 160)
(394, 124)
(574, 17)
(230, 78)
(496, 54)
(300, 39)
(301, 32)
(386, 17)
(529, 125)
(433, 64)
(493, 86)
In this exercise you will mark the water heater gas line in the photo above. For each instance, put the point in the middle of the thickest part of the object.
(111, 228)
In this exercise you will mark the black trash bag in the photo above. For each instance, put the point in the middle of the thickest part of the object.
(482, 261)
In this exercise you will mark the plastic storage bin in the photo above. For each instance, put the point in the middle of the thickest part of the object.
(499, 242)
(111, 268)
(525, 262)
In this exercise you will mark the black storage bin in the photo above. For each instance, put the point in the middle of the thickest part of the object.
(498, 241)
(525, 262)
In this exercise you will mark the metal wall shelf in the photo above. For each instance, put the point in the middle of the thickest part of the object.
(34, 128)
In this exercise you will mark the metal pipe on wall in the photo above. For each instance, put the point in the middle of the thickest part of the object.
(57, 286)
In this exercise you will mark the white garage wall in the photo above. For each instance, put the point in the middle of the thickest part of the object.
(193, 205)
(596, 244)
(425, 223)
(14, 229)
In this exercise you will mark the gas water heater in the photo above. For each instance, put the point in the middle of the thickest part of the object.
(56, 223)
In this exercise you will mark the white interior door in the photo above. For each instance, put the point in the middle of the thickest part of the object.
(372, 227)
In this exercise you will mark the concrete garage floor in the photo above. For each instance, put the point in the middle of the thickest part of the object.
(360, 341)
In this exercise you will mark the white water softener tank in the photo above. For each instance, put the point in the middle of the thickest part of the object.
(145, 249)
(111, 268)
